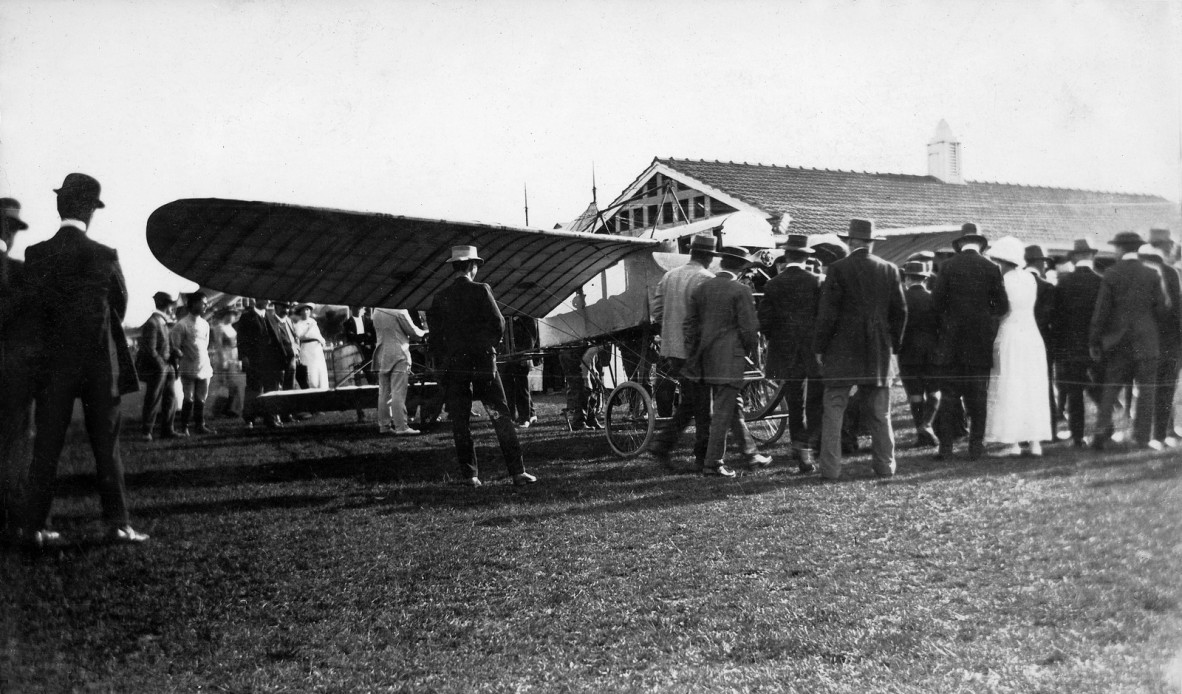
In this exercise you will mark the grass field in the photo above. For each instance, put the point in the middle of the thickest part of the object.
(326, 558)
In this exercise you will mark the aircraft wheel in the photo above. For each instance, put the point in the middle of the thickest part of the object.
(630, 419)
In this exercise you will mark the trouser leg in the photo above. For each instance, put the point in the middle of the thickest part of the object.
(459, 407)
(814, 411)
(835, 400)
(976, 403)
(1163, 399)
(878, 416)
(1145, 374)
(153, 395)
(385, 388)
(1073, 378)
(492, 395)
(726, 400)
(399, 383)
(102, 418)
(794, 396)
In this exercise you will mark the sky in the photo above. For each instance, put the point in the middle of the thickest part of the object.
(450, 109)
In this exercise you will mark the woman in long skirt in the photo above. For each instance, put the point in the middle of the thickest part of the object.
(1017, 407)
(311, 348)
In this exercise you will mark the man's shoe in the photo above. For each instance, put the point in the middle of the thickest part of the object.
(1152, 445)
(385, 430)
(127, 535)
(926, 438)
(1036, 449)
(943, 453)
(719, 471)
(1079, 443)
(40, 539)
(470, 482)
(406, 432)
(758, 460)
(533, 419)
(1101, 442)
(524, 478)
(594, 424)
(148, 436)
(976, 450)
(1171, 441)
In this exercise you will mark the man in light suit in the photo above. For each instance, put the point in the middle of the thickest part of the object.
(859, 325)
(1124, 333)
(81, 296)
(394, 330)
(19, 346)
(155, 361)
(466, 327)
(721, 330)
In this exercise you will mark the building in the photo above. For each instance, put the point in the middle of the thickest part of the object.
(817, 201)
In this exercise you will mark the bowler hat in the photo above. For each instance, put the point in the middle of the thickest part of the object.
(797, 243)
(704, 243)
(1161, 236)
(163, 296)
(862, 230)
(461, 253)
(12, 210)
(916, 268)
(1035, 252)
(1127, 238)
(1083, 246)
(736, 253)
(81, 187)
(969, 232)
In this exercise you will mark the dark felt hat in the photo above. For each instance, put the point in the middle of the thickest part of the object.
(917, 268)
(11, 209)
(704, 243)
(922, 256)
(969, 232)
(1035, 252)
(1127, 238)
(862, 230)
(1082, 246)
(163, 296)
(736, 253)
(81, 187)
(1160, 236)
(797, 243)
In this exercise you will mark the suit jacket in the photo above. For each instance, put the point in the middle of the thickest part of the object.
(1075, 302)
(787, 317)
(262, 342)
(155, 353)
(1044, 306)
(721, 329)
(466, 327)
(670, 302)
(366, 340)
(1169, 330)
(861, 320)
(79, 291)
(1131, 304)
(970, 299)
(394, 330)
(923, 329)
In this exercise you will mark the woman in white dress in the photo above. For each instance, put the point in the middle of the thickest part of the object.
(1017, 407)
(307, 332)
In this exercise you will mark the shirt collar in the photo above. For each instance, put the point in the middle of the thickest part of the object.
(76, 223)
(726, 273)
(1089, 263)
(802, 266)
(1130, 256)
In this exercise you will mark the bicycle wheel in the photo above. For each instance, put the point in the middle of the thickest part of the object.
(762, 413)
(630, 419)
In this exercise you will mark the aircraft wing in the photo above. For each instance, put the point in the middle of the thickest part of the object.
(288, 252)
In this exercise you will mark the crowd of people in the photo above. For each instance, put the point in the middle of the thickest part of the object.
(986, 347)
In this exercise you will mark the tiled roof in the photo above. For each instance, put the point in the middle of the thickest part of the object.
(823, 201)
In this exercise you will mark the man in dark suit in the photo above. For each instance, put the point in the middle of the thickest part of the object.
(19, 347)
(466, 327)
(155, 361)
(860, 324)
(523, 331)
(917, 354)
(1075, 302)
(1124, 334)
(81, 297)
(969, 298)
(787, 316)
(1037, 262)
(721, 330)
(359, 331)
(265, 352)
(1169, 334)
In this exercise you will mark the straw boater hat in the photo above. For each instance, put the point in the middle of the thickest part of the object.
(461, 253)
(862, 230)
(969, 232)
(737, 253)
(1009, 249)
(81, 187)
(916, 268)
(11, 209)
(797, 243)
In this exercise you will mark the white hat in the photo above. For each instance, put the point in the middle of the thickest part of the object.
(1149, 250)
(459, 253)
(1009, 249)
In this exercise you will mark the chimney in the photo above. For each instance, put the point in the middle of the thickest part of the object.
(944, 159)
